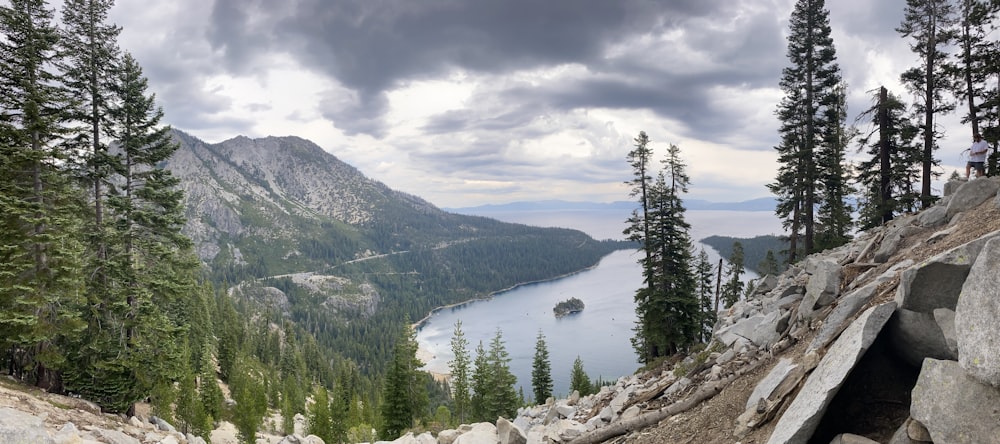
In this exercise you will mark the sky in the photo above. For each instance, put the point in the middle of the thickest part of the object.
(473, 102)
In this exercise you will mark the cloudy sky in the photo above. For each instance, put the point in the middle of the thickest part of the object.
(470, 102)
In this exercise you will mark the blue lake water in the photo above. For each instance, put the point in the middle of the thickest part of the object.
(600, 335)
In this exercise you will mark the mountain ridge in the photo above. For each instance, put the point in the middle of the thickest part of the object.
(759, 204)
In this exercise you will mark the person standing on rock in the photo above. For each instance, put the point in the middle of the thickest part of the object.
(977, 156)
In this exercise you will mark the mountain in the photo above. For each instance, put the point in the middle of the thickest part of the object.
(761, 204)
(288, 226)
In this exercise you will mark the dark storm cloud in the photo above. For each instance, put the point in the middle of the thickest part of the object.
(372, 46)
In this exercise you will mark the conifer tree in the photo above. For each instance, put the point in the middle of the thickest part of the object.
(460, 373)
(404, 396)
(320, 421)
(638, 229)
(705, 278)
(733, 287)
(929, 25)
(493, 382)
(541, 371)
(668, 310)
(835, 221)
(481, 380)
(578, 380)
(889, 122)
(40, 216)
(91, 49)
(811, 125)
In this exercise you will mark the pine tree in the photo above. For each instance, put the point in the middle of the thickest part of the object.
(769, 266)
(733, 287)
(668, 312)
(481, 380)
(460, 376)
(638, 229)
(811, 126)
(404, 396)
(929, 24)
(208, 387)
(889, 122)
(705, 277)
(133, 343)
(320, 420)
(502, 399)
(578, 380)
(92, 53)
(834, 213)
(541, 371)
(40, 216)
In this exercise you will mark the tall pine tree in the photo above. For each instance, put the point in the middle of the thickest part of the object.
(460, 373)
(541, 371)
(930, 26)
(811, 129)
(40, 214)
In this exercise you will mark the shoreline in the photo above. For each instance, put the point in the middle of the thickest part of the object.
(425, 356)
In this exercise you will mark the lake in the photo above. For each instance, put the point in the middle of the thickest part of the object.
(600, 334)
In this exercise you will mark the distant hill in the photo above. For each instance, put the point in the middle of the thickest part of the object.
(284, 224)
(761, 204)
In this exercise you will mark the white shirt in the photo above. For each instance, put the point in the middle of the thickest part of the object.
(977, 152)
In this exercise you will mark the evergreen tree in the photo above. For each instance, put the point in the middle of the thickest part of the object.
(247, 389)
(889, 122)
(769, 266)
(404, 395)
(90, 46)
(638, 229)
(40, 226)
(811, 126)
(460, 376)
(541, 371)
(481, 380)
(493, 382)
(733, 287)
(929, 25)
(668, 311)
(835, 222)
(133, 343)
(208, 387)
(705, 277)
(190, 410)
(320, 420)
(578, 380)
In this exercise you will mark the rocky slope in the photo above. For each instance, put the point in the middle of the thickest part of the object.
(892, 338)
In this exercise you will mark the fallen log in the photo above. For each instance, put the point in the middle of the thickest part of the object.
(652, 418)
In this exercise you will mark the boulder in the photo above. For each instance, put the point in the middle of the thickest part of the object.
(509, 433)
(945, 319)
(804, 413)
(17, 427)
(848, 306)
(767, 385)
(972, 193)
(850, 438)
(916, 336)
(759, 329)
(822, 289)
(953, 406)
(481, 433)
(889, 246)
(937, 282)
(976, 329)
(933, 216)
(114, 437)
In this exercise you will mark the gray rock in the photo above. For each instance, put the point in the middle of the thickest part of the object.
(767, 385)
(933, 216)
(759, 329)
(970, 194)
(846, 308)
(950, 187)
(976, 326)
(448, 436)
(804, 413)
(162, 425)
(937, 282)
(191, 439)
(945, 319)
(822, 289)
(113, 437)
(766, 284)
(481, 433)
(916, 336)
(850, 438)
(889, 246)
(953, 406)
(509, 433)
(22, 428)
(901, 436)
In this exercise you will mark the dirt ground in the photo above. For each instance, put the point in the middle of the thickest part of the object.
(713, 421)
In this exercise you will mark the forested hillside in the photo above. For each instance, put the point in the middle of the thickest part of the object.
(755, 251)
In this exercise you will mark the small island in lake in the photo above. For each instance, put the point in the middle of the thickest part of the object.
(567, 307)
